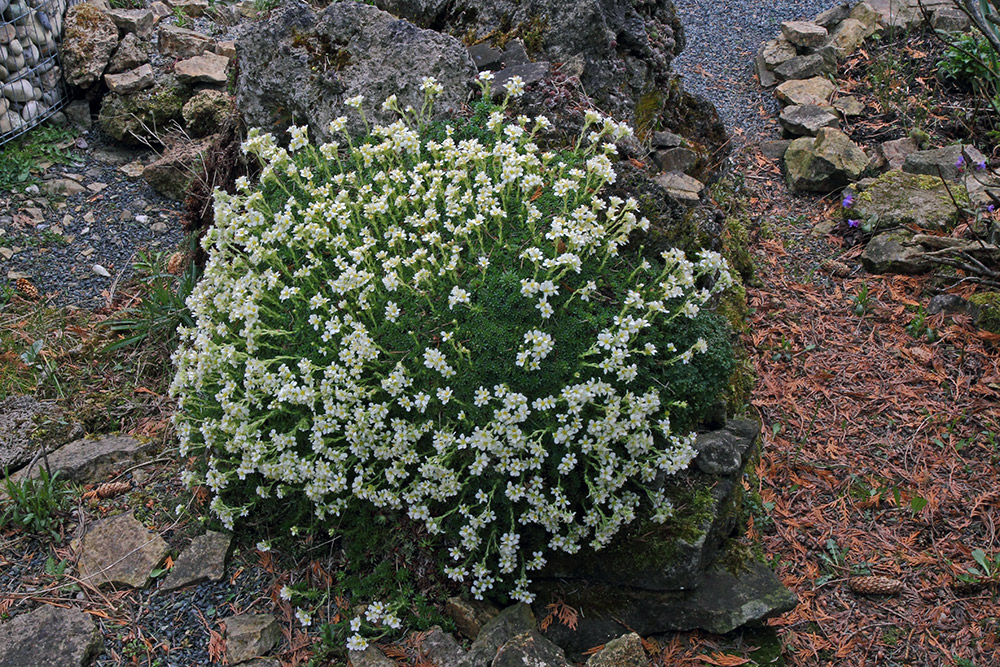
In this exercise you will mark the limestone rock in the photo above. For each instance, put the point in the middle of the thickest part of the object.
(509, 623)
(192, 8)
(440, 649)
(470, 615)
(376, 55)
(894, 152)
(849, 106)
(143, 116)
(131, 53)
(831, 17)
(868, 16)
(889, 253)
(803, 67)
(206, 112)
(681, 187)
(803, 33)
(987, 307)
(91, 460)
(530, 648)
(847, 37)
(89, 39)
(949, 19)
(624, 651)
(829, 161)
(942, 162)
(667, 140)
(23, 430)
(206, 68)
(721, 602)
(132, 81)
(171, 174)
(119, 551)
(250, 635)
(899, 198)
(370, 657)
(485, 57)
(675, 159)
(203, 560)
(774, 148)
(776, 52)
(529, 73)
(183, 43)
(815, 90)
(805, 120)
(133, 21)
(226, 48)
(66, 187)
(50, 636)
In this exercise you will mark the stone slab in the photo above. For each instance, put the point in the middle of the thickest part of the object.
(119, 551)
(90, 460)
(50, 637)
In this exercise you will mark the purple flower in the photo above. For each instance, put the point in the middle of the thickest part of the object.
(981, 165)
(848, 200)
(853, 223)
(990, 208)
(960, 163)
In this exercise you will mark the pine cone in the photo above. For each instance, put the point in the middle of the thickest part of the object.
(111, 489)
(875, 585)
(27, 290)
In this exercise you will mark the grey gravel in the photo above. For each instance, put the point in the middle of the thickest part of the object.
(717, 62)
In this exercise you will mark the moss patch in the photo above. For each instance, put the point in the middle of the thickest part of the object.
(989, 310)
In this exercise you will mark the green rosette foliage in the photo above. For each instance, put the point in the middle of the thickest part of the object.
(452, 327)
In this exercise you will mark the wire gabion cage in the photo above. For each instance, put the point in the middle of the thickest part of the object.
(31, 82)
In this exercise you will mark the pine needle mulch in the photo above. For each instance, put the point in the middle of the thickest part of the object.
(881, 456)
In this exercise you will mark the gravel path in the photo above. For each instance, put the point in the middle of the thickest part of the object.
(717, 62)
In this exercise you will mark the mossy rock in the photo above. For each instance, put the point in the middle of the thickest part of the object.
(898, 198)
(989, 310)
(145, 116)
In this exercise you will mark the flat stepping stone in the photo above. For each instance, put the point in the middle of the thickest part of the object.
(250, 636)
(91, 460)
(17, 429)
(805, 120)
(815, 90)
(119, 551)
(681, 187)
(205, 68)
(941, 162)
(803, 33)
(50, 637)
(203, 560)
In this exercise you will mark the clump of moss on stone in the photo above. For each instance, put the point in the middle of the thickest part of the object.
(989, 310)
(145, 116)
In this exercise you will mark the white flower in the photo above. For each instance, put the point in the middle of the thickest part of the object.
(285, 593)
(263, 546)
(355, 101)
(304, 617)
(356, 643)
(515, 86)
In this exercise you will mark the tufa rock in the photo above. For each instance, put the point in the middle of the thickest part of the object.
(141, 118)
(725, 451)
(816, 90)
(369, 52)
(50, 636)
(119, 551)
(89, 39)
(206, 112)
(249, 636)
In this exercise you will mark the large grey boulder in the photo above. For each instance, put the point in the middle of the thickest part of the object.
(300, 66)
(624, 48)
(23, 430)
(829, 161)
(50, 637)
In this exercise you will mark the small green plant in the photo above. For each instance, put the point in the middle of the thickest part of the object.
(919, 328)
(862, 300)
(161, 308)
(34, 504)
(22, 155)
(33, 358)
(262, 6)
(180, 17)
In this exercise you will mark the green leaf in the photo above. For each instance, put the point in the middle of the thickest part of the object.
(917, 503)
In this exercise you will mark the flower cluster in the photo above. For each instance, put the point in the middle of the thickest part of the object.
(445, 325)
